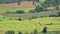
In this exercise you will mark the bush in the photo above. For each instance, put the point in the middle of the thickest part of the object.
(39, 9)
(58, 13)
(30, 18)
(51, 23)
(3, 17)
(7, 12)
(20, 11)
(33, 17)
(32, 11)
(19, 19)
(52, 15)
(44, 30)
(41, 16)
(35, 31)
(19, 32)
(10, 32)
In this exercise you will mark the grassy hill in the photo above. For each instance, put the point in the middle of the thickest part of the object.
(27, 22)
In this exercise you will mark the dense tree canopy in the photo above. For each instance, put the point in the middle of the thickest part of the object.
(49, 3)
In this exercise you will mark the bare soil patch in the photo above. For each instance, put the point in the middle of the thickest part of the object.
(25, 4)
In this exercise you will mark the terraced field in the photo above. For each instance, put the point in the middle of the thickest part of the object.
(30, 25)
(4, 9)
(11, 22)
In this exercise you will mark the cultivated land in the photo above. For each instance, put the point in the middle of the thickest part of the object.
(11, 22)
(30, 25)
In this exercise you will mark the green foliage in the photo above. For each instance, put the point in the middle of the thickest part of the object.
(57, 7)
(33, 17)
(36, 0)
(38, 9)
(35, 31)
(19, 19)
(49, 3)
(44, 30)
(58, 13)
(20, 32)
(53, 15)
(20, 11)
(10, 32)
(32, 11)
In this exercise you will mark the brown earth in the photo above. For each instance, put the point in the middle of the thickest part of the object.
(25, 4)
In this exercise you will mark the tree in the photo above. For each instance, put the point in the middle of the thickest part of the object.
(56, 2)
(37, 0)
(10, 32)
(0, 2)
(7, 1)
(38, 9)
(49, 3)
(44, 30)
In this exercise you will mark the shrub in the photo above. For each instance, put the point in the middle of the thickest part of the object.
(20, 11)
(10, 32)
(38, 9)
(31, 32)
(51, 23)
(30, 18)
(32, 11)
(57, 8)
(44, 30)
(41, 16)
(58, 13)
(33, 17)
(52, 15)
(35, 31)
(19, 19)
(3, 17)
(7, 12)
(20, 32)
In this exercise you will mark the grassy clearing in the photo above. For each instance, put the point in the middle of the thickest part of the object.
(30, 25)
